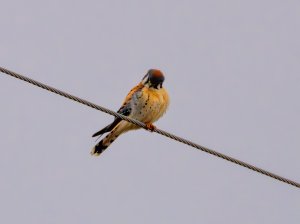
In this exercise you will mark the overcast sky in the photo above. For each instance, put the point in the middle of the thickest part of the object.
(233, 75)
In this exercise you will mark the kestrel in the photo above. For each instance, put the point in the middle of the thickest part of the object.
(146, 102)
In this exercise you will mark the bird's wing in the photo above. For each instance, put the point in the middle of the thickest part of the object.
(125, 110)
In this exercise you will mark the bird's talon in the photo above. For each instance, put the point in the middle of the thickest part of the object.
(150, 127)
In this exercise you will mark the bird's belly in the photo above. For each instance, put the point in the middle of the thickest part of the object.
(147, 110)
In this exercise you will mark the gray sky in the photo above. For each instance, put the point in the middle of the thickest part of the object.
(232, 72)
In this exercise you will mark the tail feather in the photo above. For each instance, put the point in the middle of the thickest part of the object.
(119, 128)
(103, 144)
(99, 148)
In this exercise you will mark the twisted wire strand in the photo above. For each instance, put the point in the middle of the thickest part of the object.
(142, 125)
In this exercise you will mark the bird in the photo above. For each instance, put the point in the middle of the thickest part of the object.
(146, 102)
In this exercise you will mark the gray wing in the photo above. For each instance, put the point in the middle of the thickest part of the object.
(124, 110)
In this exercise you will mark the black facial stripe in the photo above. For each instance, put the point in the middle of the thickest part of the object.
(144, 76)
(156, 86)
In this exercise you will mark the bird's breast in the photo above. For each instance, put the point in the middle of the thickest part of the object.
(149, 105)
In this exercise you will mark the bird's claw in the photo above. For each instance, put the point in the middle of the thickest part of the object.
(150, 127)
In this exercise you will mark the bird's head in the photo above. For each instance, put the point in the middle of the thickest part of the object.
(153, 79)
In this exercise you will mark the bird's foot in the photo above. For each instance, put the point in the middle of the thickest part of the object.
(150, 127)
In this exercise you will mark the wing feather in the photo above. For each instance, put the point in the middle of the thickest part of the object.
(125, 110)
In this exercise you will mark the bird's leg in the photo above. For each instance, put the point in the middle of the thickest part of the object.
(150, 127)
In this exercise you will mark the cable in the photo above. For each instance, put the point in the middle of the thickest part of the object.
(142, 125)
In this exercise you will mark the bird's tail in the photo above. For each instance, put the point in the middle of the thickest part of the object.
(105, 142)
